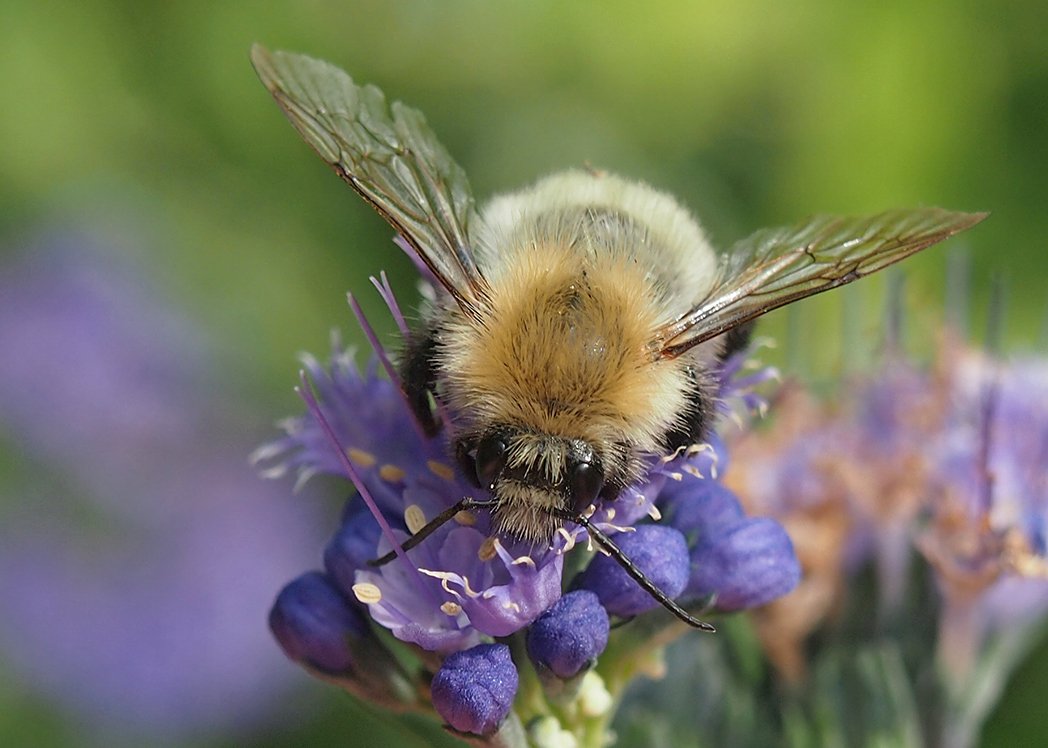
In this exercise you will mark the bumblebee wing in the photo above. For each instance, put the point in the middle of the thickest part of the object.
(390, 156)
(774, 267)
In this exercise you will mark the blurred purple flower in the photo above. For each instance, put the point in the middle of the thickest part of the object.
(140, 554)
(948, 459)
(989, 483)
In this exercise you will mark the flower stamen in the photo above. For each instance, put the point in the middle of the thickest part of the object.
(440, 470)
(367, 593)
(414, 518)
(487, 549)
(359, 456)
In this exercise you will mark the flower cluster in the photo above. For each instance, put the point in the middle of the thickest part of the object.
(940, 468)
(139, 551)
(495, 631)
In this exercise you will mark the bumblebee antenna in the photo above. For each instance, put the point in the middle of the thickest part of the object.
(465, 505)
(607, 544)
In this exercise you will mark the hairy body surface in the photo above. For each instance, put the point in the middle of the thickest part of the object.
(578, 324)
(581, 267)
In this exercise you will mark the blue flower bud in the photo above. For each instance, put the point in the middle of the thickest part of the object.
(700, 508)
(355, 543)
(659, 551)
(746, 565)
(570, 635)
(313, 622)
(474, 690)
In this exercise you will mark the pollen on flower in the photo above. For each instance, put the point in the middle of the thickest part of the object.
(414, 518)
(467, 519)
(391, 473)
(440, 470)
(487, 550)
(360, 457)
(451, 608)
(367, 593)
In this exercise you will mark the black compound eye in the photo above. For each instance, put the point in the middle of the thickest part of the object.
(584, 484)
(491, 458)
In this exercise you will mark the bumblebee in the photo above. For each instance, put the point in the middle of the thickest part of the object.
(578, 322)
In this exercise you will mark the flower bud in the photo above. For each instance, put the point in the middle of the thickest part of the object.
(570, 635)
(474, 689)
(355, 543)
(746, 565)
(314, 622)
(659, 551)
(700, 508)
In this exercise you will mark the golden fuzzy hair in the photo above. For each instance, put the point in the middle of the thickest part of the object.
(562, 351)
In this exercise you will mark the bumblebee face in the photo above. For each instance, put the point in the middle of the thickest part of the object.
(533, 475)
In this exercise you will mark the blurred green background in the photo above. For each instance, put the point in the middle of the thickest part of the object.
(144, 126)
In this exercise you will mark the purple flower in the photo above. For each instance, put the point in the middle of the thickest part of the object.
(314, 624)
(740, 380)
(469, 585)
(700, 508)
(318, 627)
(146, 616)
(986, 540)
(738, 562)
(747, 564)
(659, 551)
(570, 635)
(460, 583)
(474, 690)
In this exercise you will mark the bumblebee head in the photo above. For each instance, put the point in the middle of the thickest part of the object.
(537, 471)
